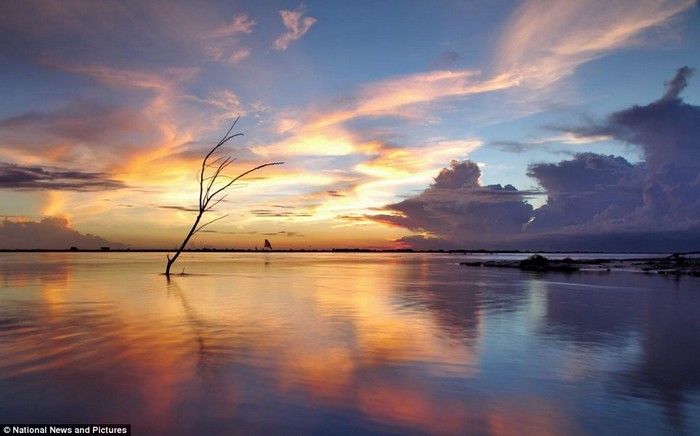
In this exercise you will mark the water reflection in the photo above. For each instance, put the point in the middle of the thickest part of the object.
(645, 330)
(669, 368)
(319, 344)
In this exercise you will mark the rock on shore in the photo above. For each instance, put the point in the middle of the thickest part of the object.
(674, 265)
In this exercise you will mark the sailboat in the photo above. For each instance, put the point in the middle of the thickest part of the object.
(267, 245)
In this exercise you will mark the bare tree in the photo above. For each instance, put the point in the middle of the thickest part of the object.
(211, 188)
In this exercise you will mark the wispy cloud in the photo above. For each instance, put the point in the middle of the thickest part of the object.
(79, 132)
(154, 98)
(546, 41)
(401, 96)
(325, 133)
(129, 78)
(537, 49)
(296, 24)
(269, 213)
(392, 162)
(377, 171)
(240, 24)
(180, 208)
(223, 43)
(389, 173)
(568, 138)
(238, 55)
(143, 114)
(447, 60)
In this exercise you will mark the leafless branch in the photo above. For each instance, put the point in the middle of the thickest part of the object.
(211, 193)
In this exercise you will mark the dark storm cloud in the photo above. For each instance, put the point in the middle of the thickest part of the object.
(594, 202)
(678, 83)
(668, 130)
(461, 175)
(49, 233)
(455, 207)
(586, 172)
(588, 187)
(14, 176)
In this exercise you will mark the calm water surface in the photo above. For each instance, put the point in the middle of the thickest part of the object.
(332, 343)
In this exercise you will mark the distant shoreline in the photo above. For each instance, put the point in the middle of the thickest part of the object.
(330, 250)
(676, 264)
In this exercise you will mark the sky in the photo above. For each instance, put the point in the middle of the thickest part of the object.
(532, 125)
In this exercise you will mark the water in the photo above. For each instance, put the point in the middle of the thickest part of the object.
(344, 343)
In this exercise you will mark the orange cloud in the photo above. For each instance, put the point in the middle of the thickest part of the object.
(396, 96)
(393, 162)
(315, 143)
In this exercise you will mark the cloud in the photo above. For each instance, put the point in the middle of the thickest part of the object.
(49, 233)
(180, 208)
(226, 102)
(588, 189)
(594, 201)
(169, 118)
(329, 133)
(668, 132)
(528, 55)
(546, 41)
(124, 139)
(13, 176)
(297, 25)
(238, 55)
(240, 24)
(678, 83)
(667, 129)
(139, 137)
(78, 120)
(284, 233)
(223, 43)
(447, 59)
(568, 138)
(401, 96)
(332, 131)
(171, 35)
(394, 162)
(268, 213)
(79, 132)
(376, 173)
(586, 172)
(456, 208)
(162, 81)
(327, 142)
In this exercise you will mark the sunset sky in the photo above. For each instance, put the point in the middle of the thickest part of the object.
(532, 124)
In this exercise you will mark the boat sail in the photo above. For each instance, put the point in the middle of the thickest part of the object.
(267, 245)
